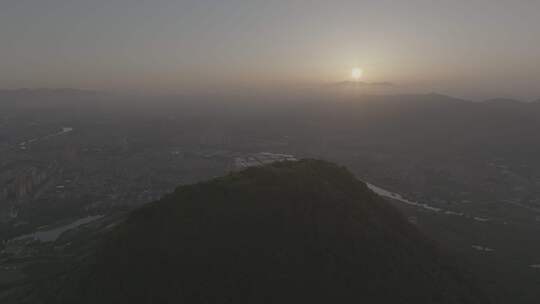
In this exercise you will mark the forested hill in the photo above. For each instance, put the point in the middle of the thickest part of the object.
(290, 232)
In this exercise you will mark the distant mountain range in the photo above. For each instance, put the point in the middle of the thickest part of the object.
(70, 92)
(291, 232)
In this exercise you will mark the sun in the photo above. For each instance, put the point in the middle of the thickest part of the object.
(357, 73)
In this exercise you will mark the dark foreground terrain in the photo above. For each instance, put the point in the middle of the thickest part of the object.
(290, 232)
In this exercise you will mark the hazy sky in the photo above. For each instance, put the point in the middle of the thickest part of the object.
(468, 48)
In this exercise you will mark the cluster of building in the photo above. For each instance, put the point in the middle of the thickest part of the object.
(19, 181)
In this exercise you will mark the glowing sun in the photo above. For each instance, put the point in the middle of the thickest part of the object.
(357, 73)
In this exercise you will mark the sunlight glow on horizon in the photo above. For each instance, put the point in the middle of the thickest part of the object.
(356, 74)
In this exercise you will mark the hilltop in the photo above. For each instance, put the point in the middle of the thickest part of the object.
(289, 232)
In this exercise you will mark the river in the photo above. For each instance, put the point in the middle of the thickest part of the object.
(52, 234)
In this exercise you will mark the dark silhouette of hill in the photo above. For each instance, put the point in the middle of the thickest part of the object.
(292, 232)
(349, 83)
(44, 93)
(48, 98)
(502, 101)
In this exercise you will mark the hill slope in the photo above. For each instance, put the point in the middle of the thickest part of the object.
(296, 232)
